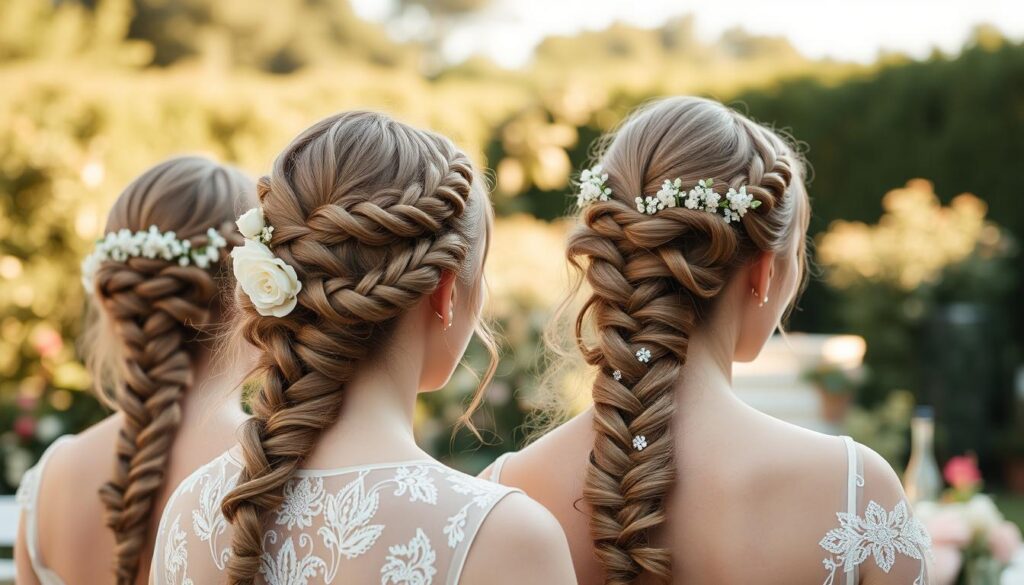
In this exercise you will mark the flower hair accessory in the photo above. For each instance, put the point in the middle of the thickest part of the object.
(269, 282)
(592, 187)
(152, 243)
(732, 207)
(702, 196)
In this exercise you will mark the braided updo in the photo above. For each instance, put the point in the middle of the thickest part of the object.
(147, 335)
(370, 213)
(653, 279)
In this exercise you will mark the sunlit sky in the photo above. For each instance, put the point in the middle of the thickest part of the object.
(855, 30)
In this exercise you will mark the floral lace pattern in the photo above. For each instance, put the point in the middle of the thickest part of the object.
(878, 534)
(333, 526)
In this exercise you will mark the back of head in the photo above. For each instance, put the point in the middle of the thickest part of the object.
(369, 213)
(157, 280)
(654, 278)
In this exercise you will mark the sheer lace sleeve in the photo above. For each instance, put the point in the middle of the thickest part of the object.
(877, 533)
(395, 523)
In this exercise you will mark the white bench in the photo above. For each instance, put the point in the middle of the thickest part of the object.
(8, 534)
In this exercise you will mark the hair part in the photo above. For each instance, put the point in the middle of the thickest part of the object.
(653, 280)
(370, 213)
(143, 338)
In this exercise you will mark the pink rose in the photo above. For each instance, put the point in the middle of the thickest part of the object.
(1004, 540)
(948, 527)
(25, 426)
(962, 472)
(946, 561)
(47, 342)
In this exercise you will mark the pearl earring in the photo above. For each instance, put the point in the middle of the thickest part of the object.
(451, 317)
(763, 300)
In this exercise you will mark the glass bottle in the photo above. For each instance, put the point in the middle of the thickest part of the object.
(922, 480)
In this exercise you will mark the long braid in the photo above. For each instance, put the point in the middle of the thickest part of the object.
(653, 280)
(366, 246)
(157, 309)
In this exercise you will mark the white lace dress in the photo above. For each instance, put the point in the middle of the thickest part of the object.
(878, 534)
(28, 501)
(392, 523)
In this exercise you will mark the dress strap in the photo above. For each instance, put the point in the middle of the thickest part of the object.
(485, 498)
(27, 498)
(499, 463)
(853, 482)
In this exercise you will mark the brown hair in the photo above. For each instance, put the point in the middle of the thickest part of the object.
(653, 279)
(146, 336)
(370, 213)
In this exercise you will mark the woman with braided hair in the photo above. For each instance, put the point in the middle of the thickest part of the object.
(160, 285)
(691, 240)
(360, 285)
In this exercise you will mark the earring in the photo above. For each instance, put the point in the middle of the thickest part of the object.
(762, 301)
(445, 326)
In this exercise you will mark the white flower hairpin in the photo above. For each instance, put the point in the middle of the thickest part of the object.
(270, 283)
(592, 187)
(152, 243)
(639, 442)
(732, 207)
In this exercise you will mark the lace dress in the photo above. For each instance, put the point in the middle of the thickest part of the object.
(392, 523)
(878, 534)
(28, 500)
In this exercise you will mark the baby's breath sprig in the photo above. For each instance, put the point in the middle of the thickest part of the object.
(592, 187)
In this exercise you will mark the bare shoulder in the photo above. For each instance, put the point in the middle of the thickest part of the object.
(555, 463)
(773, 452)
(69, 511)
(83, 460)
(519, 542)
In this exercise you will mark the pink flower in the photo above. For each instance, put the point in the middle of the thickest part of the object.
(949, 527)
(47, 342)
(26, 402)
(25, 426)
(962, 472)
(946, 561)
(1005, 541)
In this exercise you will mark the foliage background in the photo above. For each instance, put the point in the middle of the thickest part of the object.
(97, 90)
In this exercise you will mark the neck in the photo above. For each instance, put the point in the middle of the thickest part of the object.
(216, 392)
(376, 419)
(706, 380)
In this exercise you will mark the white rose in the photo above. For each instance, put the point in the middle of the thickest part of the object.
(270, 283)
(982, 514)
(251, 223)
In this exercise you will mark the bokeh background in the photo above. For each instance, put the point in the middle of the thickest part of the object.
(911, 116)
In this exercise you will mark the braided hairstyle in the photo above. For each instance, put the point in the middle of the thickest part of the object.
(151, 313)
(653, 278)
(370, 213)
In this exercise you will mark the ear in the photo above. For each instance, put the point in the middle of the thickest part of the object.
(442, 300)
(762, 269)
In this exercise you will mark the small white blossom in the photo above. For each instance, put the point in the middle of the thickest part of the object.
(652, 205)
(694, 198)
(643, 355)
(639, 442)
(740, 201)
(592, 187)
(617, 375)
(149, 243)
(711, 201)
(669, 193)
